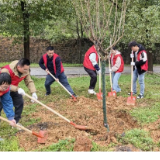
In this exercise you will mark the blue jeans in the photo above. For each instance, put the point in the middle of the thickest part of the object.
(115, 78)
(62, 79)
(141, 82)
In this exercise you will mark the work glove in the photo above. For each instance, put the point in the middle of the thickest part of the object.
(12, 122)
(21, 91)
(99, 71)
(132, 63)
(132, 55)
(110, 70)
(34, 95)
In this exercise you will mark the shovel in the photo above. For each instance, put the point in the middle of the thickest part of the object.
(131, 100)
(74, 98)
(112, 93)
(75, 125)
(42, 135)
(99, 95)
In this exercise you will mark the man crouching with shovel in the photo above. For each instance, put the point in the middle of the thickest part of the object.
(5, 98)
(19, 70)
(52, 64)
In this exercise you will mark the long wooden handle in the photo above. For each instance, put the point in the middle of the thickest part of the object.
(47, 108)
(132, 76)
(99, 74)
(6, 120)
(110, 72)
(59, 83)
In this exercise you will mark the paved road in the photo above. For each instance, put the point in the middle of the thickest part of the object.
(79, 71)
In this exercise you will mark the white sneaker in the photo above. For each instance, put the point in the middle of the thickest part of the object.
(91, 91)
(1, 139)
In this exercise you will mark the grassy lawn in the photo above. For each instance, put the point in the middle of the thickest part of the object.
(147, 113)
(37, 65)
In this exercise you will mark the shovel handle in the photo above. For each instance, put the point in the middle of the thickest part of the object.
(6, 120)
(132, 75)
(47, 107)
(99, 74)
(110, 72)
(58, 82)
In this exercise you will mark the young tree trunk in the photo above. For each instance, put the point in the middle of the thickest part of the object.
(25, 30)
(150, 61)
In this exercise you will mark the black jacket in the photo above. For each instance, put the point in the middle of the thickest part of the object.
(138, 64)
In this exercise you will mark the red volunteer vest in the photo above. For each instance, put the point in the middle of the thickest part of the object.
(3, 92)
(15, 79)
(87, 63)
(122, 62)
(54, 64)
(144, 66)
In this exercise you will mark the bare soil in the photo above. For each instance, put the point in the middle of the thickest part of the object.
(85, 111)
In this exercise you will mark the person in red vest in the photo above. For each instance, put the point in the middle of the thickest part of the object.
(90, 64)
(51, 62)
(140, 66)
(117, 66)
(5, 98)
(19, 70)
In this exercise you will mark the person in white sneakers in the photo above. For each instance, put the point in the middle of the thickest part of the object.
(19, 70)
(90, 64)
(117, 65)
(140, 66)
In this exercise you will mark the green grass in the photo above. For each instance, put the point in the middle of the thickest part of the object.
(139, 138)
(146, 112)
(37, 65)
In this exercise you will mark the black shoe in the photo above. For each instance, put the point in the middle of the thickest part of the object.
(133, 94)
(140, 96)
(47, 94)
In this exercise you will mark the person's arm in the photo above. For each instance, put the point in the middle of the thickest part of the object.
(143, 59)
(117, 64)
(30, 84)
(7, 104)
(92, 58)
(41, 63)
(13, 87)
(58, 66)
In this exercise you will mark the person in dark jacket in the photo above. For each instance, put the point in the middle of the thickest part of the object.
(5, 98)
(51, 62)
(140, 66)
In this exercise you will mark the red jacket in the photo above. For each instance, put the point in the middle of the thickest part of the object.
(3, 92)
(15, 79)
(54, 59)
(121, 68)
(87, 63)
(144, 66)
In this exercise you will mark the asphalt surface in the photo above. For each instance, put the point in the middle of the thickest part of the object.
(79, 71)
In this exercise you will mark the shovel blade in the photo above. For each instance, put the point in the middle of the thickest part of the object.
(131, 101)
(110, 94)
(99, 96)
(43, 134)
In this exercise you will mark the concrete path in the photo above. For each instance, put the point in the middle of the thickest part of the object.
(79, 71)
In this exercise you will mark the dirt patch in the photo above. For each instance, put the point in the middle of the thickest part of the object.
(82, 144)
(154, 129)
(85, 111)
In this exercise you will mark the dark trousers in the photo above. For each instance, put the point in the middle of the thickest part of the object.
(18, 104)
(93, 75)
(62, 79)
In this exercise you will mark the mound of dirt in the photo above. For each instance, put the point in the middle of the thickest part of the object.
(84, 111)
(82, 144)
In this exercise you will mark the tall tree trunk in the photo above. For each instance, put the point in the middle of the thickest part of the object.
(26, 41)
(150, 60)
